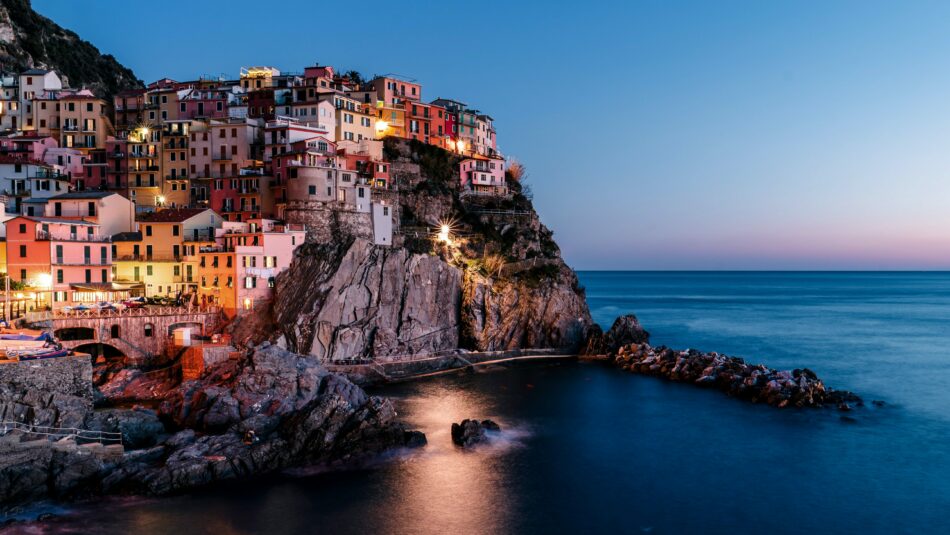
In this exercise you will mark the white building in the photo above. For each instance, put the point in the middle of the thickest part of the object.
(113, 212)
(34, 83)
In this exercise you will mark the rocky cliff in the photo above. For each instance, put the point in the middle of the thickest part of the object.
(28, 39)
(499, 284)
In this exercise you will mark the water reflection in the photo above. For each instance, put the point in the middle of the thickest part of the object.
(445, 489)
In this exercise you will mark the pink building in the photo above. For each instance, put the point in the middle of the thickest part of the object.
(238, 273)
(198, 103)
(482, 175)
(29, 147)
(393, 90)
(67, 260)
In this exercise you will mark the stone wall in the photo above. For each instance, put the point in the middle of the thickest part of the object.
(71, 376)
(326, 223)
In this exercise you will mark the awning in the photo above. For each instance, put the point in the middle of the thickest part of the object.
(106, 286)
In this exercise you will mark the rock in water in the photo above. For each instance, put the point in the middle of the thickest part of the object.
(732, 375)
(471, 432)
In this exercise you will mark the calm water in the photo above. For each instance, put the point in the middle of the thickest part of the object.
(589, 449)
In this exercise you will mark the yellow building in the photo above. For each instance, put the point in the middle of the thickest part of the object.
(145, 167)
(46, 117)
(390, 120)
(163, 253)
(84, 123)
(355, 121)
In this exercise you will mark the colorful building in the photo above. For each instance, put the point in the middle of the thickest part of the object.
(60, 261)
(239, 271)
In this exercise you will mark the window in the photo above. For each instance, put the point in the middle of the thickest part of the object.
(312, 190)
(148, 230)
(23, 251)
(148, 330)
(22, 228)
(148, 270)
(176, 231)
(22, 275)
(105, 276)
(88, 275)
(114, 332)
(59, 276)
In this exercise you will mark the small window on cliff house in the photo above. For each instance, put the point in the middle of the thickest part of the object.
(148, 330)
(114, 332)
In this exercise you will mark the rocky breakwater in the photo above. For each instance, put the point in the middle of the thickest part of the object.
(627, 347)
(265, 412)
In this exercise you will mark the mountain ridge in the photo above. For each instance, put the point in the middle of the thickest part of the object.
(30, 40)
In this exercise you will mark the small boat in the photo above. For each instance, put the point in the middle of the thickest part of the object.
(37, 354)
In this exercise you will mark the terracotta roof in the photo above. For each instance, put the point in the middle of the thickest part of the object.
(176, 215)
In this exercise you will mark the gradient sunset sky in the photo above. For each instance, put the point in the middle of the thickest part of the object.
(657, 135)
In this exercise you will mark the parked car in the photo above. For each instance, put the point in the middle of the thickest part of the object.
(134, 303)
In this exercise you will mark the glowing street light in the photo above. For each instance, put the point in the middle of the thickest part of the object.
(381, 126)
(44, 281)
(160, 200)
(444, 234)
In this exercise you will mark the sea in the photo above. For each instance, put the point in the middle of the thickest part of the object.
(585, 448)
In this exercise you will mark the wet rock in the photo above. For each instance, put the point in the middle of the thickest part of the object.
(471, 432)
(732, 375)
(294, 410)
(140, 427)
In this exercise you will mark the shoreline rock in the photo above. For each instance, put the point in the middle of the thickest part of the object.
(627, 346)
(469, 433)
(267, 412)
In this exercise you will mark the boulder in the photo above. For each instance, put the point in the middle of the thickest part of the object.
(468, 433)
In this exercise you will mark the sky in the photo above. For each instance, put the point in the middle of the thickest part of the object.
(656, 135)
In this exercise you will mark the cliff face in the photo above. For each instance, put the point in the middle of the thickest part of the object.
(28, 39)
(500, 284)
(359, 300)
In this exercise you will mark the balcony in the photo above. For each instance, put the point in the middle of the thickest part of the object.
(70, 127)
(87, 261)
(43, 235)
(147, 258)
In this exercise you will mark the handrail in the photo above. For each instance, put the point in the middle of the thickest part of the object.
(147, 311)
(110, 437)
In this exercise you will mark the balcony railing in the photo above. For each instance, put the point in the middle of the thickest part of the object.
(50, 236)
(60, 261)
(147, 258)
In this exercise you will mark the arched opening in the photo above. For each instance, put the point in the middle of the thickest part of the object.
(149, 330)
(67, 334)
(115, 332)
(106, 361)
